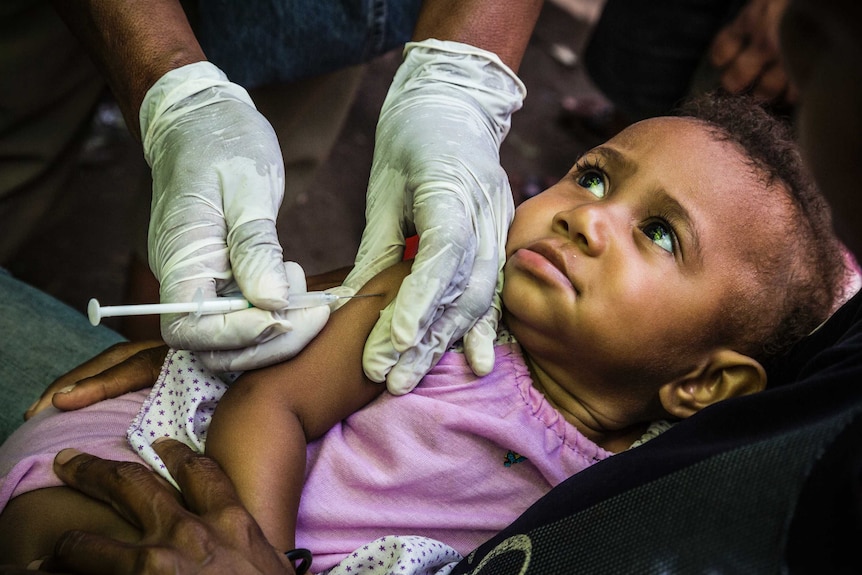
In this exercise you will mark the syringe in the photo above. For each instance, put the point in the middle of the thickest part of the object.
(95, 311)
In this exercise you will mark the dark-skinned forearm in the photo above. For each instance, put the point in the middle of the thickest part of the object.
(503, 27)
(133, 43)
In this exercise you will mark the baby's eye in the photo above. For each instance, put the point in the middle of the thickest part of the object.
(661, 234)
(594, 181)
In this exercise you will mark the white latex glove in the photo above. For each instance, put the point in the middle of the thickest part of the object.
(218, 181)
(301, 325)
(436, 172)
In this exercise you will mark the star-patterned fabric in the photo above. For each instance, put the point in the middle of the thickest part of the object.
(180, 406)
(399, 555)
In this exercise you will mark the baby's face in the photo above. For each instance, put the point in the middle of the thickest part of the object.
(615, 273)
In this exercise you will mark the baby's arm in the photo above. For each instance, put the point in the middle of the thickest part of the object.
(261, 427)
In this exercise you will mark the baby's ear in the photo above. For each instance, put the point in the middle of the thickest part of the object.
(725, 374)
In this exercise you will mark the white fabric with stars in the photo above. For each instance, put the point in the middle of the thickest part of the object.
(180, 406)
(399, 555)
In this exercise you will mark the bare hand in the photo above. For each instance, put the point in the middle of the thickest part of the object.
(747, 52)
(206, 530)
(122, 368)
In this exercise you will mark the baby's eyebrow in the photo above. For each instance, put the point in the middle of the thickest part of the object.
(622, 164)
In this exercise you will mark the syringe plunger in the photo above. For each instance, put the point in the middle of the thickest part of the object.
(95, 311)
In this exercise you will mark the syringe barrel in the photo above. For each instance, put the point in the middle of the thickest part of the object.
(310, 299)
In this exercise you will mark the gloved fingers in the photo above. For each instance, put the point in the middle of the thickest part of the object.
(373, 258)
(218, 331)
(403, 367)
(414, 363)
(176, 329)
(187, 250)
(186, 244)
(441, 271)
(258, 270)
(479, 344)
(383, 239)
(479, 339)
(236, 334)
(306, 323)
(295, 277)
(461, 308)
(292, 271)
(379, 355)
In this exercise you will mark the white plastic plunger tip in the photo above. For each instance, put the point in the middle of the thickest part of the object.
(94, 312)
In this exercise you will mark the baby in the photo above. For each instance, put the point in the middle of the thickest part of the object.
(655, 279)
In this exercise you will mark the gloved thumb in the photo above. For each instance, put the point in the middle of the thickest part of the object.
(262, 277)
(479, 344)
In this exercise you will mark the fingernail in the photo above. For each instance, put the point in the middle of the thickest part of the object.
(35, 565)
(65, 455)
(68, 388)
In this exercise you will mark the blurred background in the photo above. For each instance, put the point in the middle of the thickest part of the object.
(83, 249)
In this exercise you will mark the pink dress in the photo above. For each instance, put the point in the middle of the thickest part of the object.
(456, 460)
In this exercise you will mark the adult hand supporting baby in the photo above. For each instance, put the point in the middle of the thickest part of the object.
(208, 532)
(122, 368)
(747, 52)
(436, 172)
(130, 366)
(218, 182)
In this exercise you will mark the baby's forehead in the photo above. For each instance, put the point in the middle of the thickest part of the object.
(675, 127)
(693, 143)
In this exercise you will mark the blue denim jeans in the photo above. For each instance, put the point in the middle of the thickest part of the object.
(40, 339)
(264, 42)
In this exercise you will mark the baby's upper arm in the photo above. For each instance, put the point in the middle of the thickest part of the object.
(261, 427)
(325, 383)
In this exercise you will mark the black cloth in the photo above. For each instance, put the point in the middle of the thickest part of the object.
(644, 55)
(719, 492)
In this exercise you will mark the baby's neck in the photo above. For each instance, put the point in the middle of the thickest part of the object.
(580, 415)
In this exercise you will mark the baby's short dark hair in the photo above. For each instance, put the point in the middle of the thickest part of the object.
(798, 288)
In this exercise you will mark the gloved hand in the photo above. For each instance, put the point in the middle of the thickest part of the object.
(292, 330)
(218, 181)
(436, 172)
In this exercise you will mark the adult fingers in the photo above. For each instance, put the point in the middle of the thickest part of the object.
(441, 271)
(306, 323)
(205, 487)
(256, 261)
(131, 489)
(136, 372)
(479, 339)
(80, 552)
(66, 387)
(223, 331)
(416, 361)
(772, 84)
(727, 44)
(745, 69)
